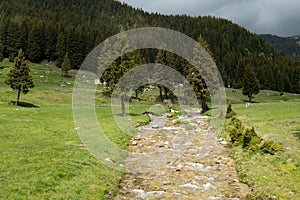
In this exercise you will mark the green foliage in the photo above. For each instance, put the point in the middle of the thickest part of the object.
(236, 131)
(1, 50)
(60, 49)
(19, 77)
(250, 83)
(39, 34)
(229, 112)
(251, 140)
(66, 66)
(270, 147)
(287, 45)
(269, 175)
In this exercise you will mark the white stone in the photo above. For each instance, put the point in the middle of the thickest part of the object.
(140, 193)
(191, 186)
(207, 186)
(223, 142)
(196, 165)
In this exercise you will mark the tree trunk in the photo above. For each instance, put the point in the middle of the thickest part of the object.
(18, 97)
(250, 98)
(137, 94)
(160, 94)
(166, 92)
(204, 106)
(178, 96)
(123, 105)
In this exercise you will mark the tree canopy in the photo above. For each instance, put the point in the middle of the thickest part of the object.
(19, 77)
(48, 29)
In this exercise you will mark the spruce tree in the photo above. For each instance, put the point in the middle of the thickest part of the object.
(1, 50)
(60, 51)
(66, 66)
(250, 83)
(19, 77)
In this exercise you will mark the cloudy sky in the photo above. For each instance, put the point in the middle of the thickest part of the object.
(279, 17)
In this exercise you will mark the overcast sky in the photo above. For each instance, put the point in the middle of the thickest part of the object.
(279, 17)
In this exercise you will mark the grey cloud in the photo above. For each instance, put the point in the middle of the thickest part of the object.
(260, 16)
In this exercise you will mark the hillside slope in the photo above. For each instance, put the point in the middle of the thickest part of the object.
(287, 45)
(48, 29)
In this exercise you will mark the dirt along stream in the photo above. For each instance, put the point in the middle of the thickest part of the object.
(166, 161)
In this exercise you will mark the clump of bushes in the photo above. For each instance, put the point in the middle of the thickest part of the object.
(248, 138)
(235, 130)
(251, 140)
(270, 147)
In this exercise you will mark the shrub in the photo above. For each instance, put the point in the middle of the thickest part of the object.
(270, 147)
(236, 123)
(254, 144)
(251, 140)
(229, 112)
(235, 130)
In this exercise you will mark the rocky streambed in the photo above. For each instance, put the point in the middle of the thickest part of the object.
(171, 159)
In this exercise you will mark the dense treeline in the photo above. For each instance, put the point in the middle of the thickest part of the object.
(51, 29)
(287, 45)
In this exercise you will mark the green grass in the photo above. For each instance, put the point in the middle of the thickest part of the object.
(272, 175)
(42, 157)
(264, 96)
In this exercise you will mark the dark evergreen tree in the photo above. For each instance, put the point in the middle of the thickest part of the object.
(1, 50)
(66, 66)
(19, 77)
(250, 83)
(35, 44)
(60, 51)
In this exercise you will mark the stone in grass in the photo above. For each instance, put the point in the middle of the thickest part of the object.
(107, 160)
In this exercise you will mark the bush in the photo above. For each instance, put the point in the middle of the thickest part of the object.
(236, 123)
(254, 144)
(270, 147)
(250, 138)
(229, 112)
(235, 130)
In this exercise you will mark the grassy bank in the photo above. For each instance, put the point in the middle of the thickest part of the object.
(275, 118)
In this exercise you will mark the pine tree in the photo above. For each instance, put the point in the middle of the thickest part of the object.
(66, 66)
(35, 44)
(250, 83)
(19, 77)
(119, 67)
(195, 77)
(60, 50)
(1, 50)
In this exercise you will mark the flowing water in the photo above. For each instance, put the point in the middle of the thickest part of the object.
(169, 160)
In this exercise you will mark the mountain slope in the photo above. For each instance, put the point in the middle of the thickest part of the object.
(48, 29)
(287, 45)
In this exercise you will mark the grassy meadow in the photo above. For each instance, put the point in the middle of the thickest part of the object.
(276, 118)
(42, 157)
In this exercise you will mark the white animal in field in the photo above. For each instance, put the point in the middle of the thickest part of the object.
(247, 104)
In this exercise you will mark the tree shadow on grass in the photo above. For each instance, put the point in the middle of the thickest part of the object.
(297, 134)
(25, 104)
(3, 67)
